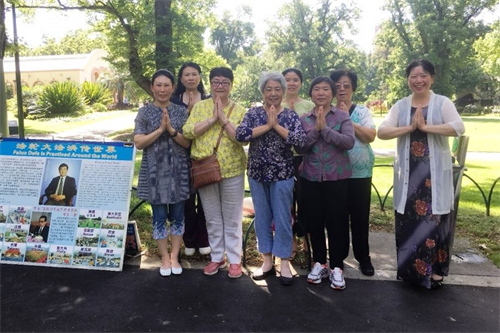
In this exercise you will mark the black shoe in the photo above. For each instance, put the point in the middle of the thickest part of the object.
(286, 281)
(271, 272)
(436, 284)
(367, 268)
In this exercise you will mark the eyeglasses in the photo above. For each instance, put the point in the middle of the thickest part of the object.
(345, 86)
(225, 84)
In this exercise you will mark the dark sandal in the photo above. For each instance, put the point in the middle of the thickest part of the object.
(436, 284)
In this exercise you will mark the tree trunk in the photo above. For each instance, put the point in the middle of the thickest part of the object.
(163, 23)
(4, 124)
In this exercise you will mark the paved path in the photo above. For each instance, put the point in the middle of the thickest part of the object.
(97, 131)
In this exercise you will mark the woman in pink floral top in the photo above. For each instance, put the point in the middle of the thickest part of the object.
(325, 171)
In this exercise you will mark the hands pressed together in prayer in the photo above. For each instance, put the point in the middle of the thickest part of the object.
(320, 119)
(418, 120)
(272, 118)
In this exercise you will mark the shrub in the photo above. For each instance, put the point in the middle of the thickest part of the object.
(61, 98)
(95, 93)
(30, 101)
(99, 107)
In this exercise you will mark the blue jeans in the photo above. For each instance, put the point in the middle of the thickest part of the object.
(174, 213)
(273, 202)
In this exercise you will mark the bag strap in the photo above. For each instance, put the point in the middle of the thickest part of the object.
(222, 128)
(351, 109)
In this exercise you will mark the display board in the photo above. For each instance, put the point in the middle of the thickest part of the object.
(65, 203)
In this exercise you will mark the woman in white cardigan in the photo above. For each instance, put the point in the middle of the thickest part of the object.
(423, 177)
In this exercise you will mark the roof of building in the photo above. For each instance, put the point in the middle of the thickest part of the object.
(53, 62)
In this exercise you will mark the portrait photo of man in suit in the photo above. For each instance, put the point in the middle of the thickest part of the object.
(61, 189)
(43, 228)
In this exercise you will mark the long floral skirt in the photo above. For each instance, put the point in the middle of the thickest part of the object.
(422, 239)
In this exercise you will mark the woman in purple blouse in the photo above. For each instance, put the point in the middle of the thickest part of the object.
(272, 130)
(324, 171)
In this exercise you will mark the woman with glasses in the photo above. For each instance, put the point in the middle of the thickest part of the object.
(362, 161)
(272, 130)
(222, 202)
(190, 90)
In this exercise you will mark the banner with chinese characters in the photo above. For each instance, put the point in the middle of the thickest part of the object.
(65, 203)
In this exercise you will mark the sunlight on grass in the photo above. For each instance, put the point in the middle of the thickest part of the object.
(62, 124)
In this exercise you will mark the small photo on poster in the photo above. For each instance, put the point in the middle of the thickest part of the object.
(111, 238)
(16, 233)
(37, 253)
(84, 256)
(2, 231)
(39, 227)
(89, 218)
(109, 257)
(60, 254)
(3, 213)
(60, 182)
(19, 215)
(114, 220)
(13, 251)
(87, 237)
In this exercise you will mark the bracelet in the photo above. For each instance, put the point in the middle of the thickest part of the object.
(227, 123)
(174, 135)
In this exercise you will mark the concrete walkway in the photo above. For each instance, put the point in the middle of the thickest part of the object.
(469, 266)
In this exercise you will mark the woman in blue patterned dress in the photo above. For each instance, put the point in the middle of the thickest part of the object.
(423, 177)
(272, 130)
(164, 173)
(362, 160)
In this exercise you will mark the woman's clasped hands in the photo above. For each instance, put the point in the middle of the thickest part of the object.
(272, 118)
(418, 120)
(320, 119)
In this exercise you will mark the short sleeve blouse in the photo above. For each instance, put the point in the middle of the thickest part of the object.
(164, 173)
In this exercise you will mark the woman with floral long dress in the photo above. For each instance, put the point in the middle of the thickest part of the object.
(423, 183)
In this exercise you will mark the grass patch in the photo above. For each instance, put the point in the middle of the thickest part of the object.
(482, 130)
(62, 124)
(472, 223)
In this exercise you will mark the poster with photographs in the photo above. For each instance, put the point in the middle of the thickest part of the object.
(65, 203)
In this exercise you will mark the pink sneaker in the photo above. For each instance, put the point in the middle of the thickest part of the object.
(234, 271)
(213, 267)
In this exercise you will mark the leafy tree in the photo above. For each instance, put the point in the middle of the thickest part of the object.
(246, 77)
(488, 55)
(132, 39)
(312, 39)
(4, 128)
(438, 30)
(80, 41)
(234, 38)
(488, 51)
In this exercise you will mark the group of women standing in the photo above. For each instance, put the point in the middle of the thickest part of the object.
(319, 148)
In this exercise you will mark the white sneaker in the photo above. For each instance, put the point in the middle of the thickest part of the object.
(205, 250)
(337, 279)
(189, 251)
(318, 273)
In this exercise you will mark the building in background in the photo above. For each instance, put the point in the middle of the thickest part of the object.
(44, 70)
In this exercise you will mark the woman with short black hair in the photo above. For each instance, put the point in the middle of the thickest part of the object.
(423, 177)
(325, 171)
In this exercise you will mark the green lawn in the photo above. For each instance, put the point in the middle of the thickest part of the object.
(62, 124)
(484, 133)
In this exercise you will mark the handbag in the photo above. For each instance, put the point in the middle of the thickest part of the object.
(206, 171)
